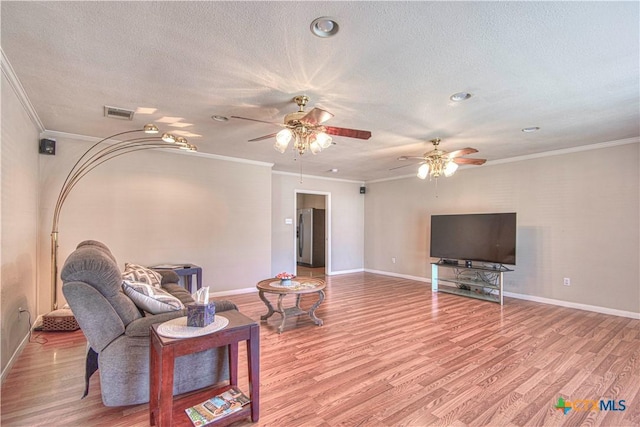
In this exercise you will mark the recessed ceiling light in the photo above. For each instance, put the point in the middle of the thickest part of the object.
(530, 129)
(324, 27)
(460, 96)
(218, 118)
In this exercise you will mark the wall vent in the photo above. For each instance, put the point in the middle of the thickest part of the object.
(118, 113)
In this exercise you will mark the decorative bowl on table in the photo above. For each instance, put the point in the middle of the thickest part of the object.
(285, 279)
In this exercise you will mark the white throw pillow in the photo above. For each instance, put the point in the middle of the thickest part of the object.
(138, 273)
(151, 299)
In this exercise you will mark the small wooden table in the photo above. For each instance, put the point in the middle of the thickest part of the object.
(307, 285)
(164, 409)
(186, 272)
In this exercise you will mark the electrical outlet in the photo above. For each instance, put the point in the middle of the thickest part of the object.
(393, 260)
(567, 281)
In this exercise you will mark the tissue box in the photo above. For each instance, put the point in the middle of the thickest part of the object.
(201, 315)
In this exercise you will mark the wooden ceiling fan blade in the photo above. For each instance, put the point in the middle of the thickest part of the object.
(256, 120)
(316, 116)
(349, 133)
(260, 138)
(462, 161)
(462, 152)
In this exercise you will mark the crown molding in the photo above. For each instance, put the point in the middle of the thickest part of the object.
(18, 89)
(560, 152)
(563, 151)
(93, 139)
(326, 178)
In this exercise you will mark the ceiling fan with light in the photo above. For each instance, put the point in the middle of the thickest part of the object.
(437, 162)
(306, 129)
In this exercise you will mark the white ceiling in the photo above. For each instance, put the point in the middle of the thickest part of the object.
(571, 68)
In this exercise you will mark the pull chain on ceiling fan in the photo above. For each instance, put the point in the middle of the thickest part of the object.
(306, 130)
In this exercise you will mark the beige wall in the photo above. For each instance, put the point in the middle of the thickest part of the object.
(154, 207)
(346, 222)
(19, 210)
(578, 217)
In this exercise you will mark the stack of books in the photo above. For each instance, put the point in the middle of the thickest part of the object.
(217, 407)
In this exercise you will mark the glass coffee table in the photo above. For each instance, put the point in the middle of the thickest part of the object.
(299, 287)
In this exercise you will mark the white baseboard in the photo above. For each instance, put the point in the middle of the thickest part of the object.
(18, 351)
(402, 276)
(254, 289)
(568, 304)
(337, 273)
(550, 301)
(234, 292)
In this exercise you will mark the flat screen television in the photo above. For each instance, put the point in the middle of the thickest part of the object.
(487, 237)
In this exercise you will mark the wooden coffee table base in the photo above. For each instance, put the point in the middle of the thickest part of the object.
(264, 286)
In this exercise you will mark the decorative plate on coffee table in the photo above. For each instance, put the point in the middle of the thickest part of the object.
(177, 328)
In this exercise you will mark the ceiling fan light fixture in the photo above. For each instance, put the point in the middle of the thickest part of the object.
(315, 147)
(284, 136)
(460, 96)
(450, 168)
(324, 27)
(282, 140)
(324, 140)
(280, 147)
(423, 171)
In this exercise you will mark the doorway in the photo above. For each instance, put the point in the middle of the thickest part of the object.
(312, 239)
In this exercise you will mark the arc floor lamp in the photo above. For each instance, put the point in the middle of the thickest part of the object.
(95, 156)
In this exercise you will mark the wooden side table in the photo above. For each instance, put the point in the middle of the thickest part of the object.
(186, 271)
(308, 285)
(165, 410)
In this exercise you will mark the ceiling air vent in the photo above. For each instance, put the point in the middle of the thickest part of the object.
(118, 113)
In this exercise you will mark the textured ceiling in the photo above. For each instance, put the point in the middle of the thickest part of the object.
(571, 68)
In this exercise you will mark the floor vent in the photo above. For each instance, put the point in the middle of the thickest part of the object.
(118, 113)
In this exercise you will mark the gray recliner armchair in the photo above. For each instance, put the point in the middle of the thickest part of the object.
(118, 332)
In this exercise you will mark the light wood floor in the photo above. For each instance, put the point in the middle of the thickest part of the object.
(390, 353)
(317, 272)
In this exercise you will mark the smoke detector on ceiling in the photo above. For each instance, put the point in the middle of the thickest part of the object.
(118, 113)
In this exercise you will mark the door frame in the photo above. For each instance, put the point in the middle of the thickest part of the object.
(327, 228)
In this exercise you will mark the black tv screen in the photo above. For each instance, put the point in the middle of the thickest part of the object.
(488, 237)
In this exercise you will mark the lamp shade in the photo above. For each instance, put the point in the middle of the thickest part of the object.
(423, 171)
(282, 140)
(450, 168)
(323, 139)
(151, 128)
(315, 147)
(167, 137)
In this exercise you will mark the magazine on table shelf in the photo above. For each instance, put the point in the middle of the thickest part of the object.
(217, 407)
